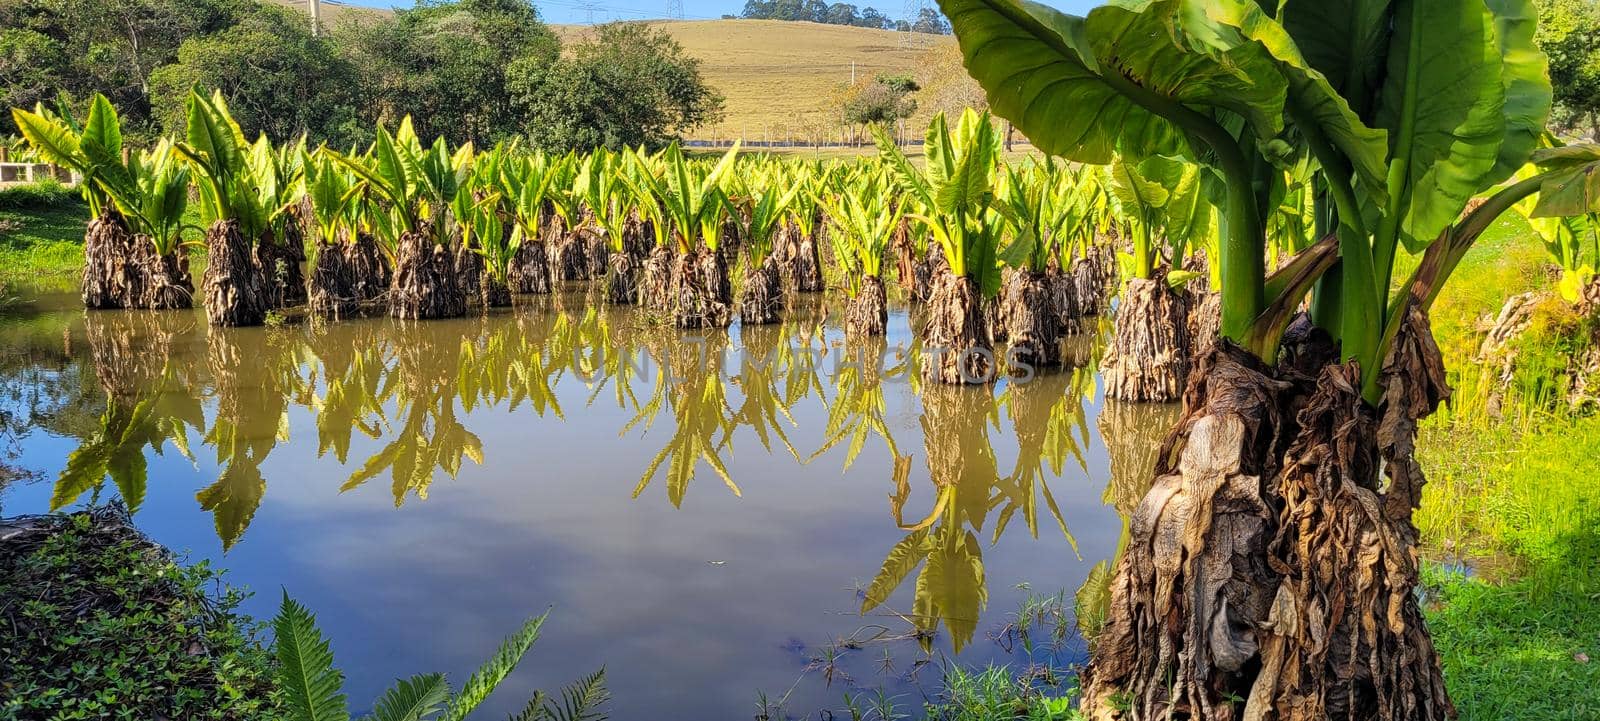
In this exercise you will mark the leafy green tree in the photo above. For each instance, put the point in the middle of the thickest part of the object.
(630, 84)
(80, 47)
(1569, 33)
(277, 78)
(449, 65)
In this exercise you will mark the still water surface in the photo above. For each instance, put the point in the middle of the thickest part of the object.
(706, 514)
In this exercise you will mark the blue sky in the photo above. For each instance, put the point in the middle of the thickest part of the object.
(576, 11)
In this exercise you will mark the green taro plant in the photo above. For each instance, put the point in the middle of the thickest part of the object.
(1406, 110)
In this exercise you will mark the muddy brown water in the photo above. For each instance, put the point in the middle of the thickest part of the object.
(705, 513)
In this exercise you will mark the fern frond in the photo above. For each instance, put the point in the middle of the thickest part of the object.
(534, 711)
(306, 674)
(486, 678)
(582, 700)
(412, 699)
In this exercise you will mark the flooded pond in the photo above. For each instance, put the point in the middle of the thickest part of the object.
(707, 514)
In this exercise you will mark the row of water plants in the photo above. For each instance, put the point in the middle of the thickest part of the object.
(1013, 253)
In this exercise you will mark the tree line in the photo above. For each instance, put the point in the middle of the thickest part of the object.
(928, 20)
(480, 71)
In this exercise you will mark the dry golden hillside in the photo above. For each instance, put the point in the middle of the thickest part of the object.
(779, 77)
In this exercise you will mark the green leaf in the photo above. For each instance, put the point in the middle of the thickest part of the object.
(1442, 104)
(487, 677)
(306, 674)
(412, 699)
(1121, 80)
(1526, 81)
(51, 139)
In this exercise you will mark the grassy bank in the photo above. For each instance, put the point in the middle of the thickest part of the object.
(1513, 497)
(102, 623)
(41, 235)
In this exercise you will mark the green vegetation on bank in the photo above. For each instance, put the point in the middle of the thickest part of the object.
(41, 232)
(100, 622)
(1512, 495)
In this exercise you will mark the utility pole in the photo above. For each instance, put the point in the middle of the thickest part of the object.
(316, 17)
(852, 72)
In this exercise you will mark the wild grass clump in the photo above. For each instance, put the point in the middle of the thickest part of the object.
(42, 195)
(995, 693)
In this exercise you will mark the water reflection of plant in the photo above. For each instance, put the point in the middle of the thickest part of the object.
(951, 587)
(146, 405)
(689, 382)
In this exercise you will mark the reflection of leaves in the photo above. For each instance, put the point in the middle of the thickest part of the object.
(117, 448)
(857, 410)
(901, 561)
(699, 407)
(951, 586)
(1093, 600)
(234, 498)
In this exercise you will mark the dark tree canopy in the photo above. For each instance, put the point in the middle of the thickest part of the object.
(78, 47)
(817, 11)
(629, 84)
(465, 70)
(277, 78)
(447, 64)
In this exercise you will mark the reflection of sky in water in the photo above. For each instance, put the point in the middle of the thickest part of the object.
(549, 521)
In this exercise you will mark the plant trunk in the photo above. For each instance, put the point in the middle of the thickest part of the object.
(166, 283)
(109, 273)
(656, 282)
(622, 280)
(530, 271)
(1270, 572)
(957, 348)
(495, 292)
(472, 275)
(702, 296)
(236, 290)
(807, 269)
(333, 282)
(1148, 358)
(637, 237)
(761, 303)
(598, 254)
(1063, 298)
(868, 313)
(1205, 320)
(567, 261)
(369, 268)
(280, 266)
(1032, 324)
(1089, 282)
(425, 282)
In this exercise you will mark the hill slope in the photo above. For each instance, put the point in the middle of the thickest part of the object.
(778, 76)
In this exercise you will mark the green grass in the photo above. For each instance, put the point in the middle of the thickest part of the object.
(1516, 498)
(41, 235)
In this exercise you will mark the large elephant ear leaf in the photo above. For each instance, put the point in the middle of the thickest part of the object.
(1037, 69)
(1443, 106)
(102, 134)
(51, 138)
(1172, 65)
(1313, 97)
(1526, 80)
(1572, 184)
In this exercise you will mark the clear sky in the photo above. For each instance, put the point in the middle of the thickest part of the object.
(578, 11)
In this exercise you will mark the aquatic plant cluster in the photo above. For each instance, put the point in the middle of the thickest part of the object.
(1016, 253)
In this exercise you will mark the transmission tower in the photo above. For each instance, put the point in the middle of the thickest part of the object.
(675, 9)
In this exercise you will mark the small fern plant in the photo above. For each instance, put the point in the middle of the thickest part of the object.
(312, 687)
